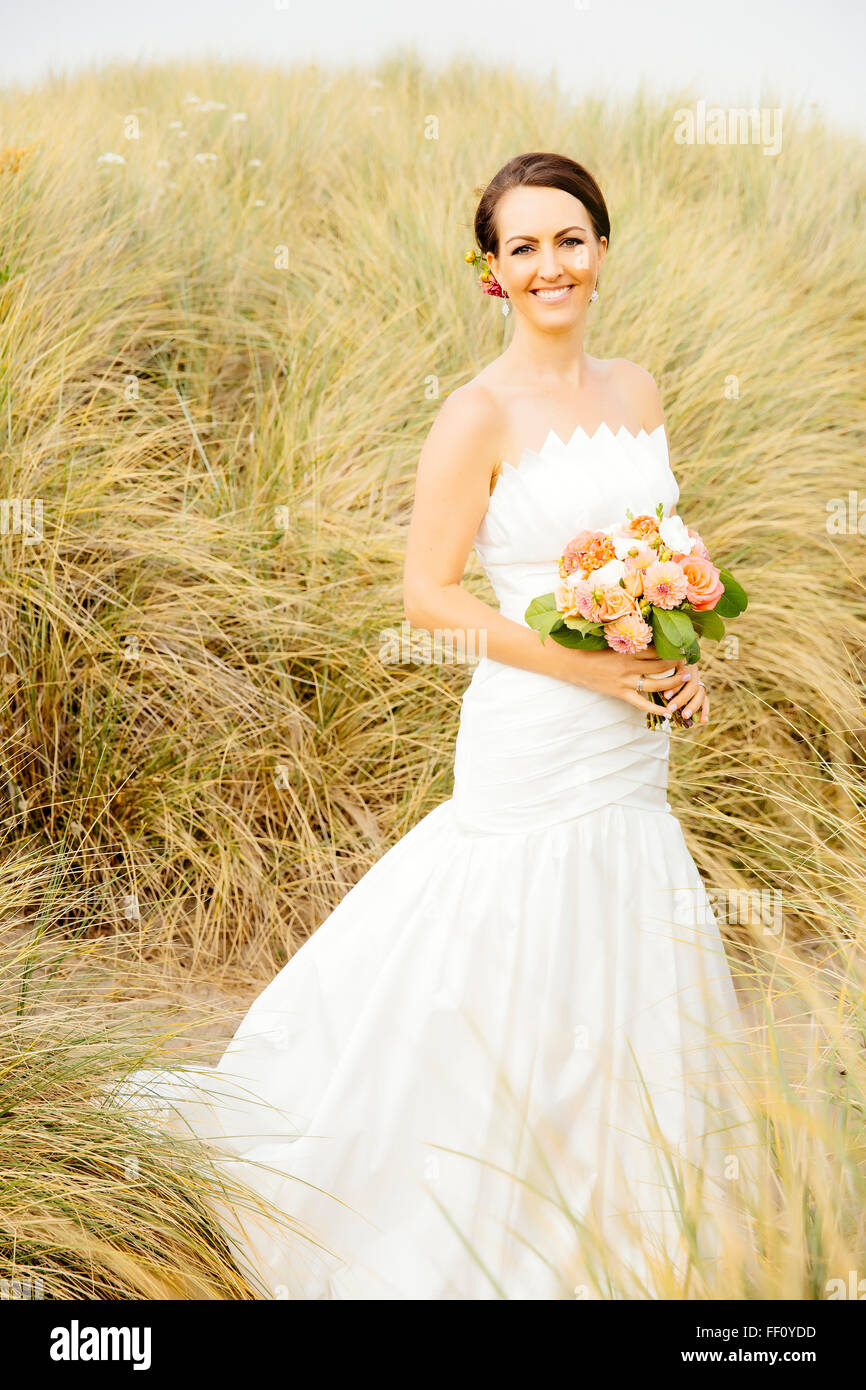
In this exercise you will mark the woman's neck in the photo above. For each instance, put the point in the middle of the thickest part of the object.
(555, 357)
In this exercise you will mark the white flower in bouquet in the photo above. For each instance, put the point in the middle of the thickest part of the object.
(675, 535)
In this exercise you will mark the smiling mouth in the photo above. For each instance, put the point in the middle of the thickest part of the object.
(553, 296)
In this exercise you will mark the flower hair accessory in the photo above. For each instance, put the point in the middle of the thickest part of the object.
(488, 282)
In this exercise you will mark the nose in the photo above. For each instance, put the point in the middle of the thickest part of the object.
(550, 268)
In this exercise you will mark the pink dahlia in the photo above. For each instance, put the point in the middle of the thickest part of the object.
(628, 634)
(665, 584)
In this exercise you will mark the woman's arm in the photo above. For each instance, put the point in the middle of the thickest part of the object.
(452, 493)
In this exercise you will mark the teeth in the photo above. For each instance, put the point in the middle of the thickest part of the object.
(553, 294)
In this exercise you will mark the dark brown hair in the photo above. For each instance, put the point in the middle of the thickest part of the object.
(539, 171)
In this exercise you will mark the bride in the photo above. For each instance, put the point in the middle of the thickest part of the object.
(500, 1065)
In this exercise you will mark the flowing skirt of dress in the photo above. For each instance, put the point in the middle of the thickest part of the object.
(470, 1081)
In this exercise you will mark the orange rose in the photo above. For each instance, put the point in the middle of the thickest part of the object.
(636, 568)
(614, 604)
(633, 582)
(704, 585)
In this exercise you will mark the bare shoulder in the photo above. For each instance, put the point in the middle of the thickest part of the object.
(636, 385)
(472, 405)
(466, 428)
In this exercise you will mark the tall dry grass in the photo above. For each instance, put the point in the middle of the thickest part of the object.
(97, 1202)
(217, 375)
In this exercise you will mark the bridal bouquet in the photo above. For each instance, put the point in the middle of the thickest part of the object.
(648, 579)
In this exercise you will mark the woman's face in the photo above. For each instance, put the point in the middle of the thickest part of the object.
(549, 257)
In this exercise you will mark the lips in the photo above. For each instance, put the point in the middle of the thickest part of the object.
(555, 295)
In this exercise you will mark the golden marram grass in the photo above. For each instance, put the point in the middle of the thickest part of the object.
(217, 374)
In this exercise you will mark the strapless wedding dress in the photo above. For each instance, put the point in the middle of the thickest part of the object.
(474, 1057)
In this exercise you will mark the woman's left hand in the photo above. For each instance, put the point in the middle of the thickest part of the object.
(687, 693)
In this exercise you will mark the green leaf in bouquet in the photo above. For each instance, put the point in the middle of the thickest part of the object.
(692, 653)
(706, 623)
(727, 607)
(543, 615)
(734, 599)
(584, 625)
(673, 633)
(665, 649)
(584, 641)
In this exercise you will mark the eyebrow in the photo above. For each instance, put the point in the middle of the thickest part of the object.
(535, 238)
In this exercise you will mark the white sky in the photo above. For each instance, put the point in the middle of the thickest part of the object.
(727, 53)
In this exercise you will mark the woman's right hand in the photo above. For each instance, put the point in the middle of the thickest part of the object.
(618, 673)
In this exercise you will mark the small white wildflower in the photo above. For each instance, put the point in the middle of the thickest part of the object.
(259, 203)
(162, 164)
(191, 99)
(254, 163)
(205, 158)
(175, 125)
(212, 106)
(239, 115)
(110, 158)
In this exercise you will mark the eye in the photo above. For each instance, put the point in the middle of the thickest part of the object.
(578, 241)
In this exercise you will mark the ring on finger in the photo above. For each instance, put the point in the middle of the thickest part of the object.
(698, 695)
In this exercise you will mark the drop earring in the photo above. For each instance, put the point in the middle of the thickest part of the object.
(593, 297)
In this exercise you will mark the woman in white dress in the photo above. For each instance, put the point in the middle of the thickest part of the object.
(469, 1083)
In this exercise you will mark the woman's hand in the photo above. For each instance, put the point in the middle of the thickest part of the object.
(689, 695)
(618, 673)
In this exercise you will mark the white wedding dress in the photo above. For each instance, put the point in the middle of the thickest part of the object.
(475, 1055)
